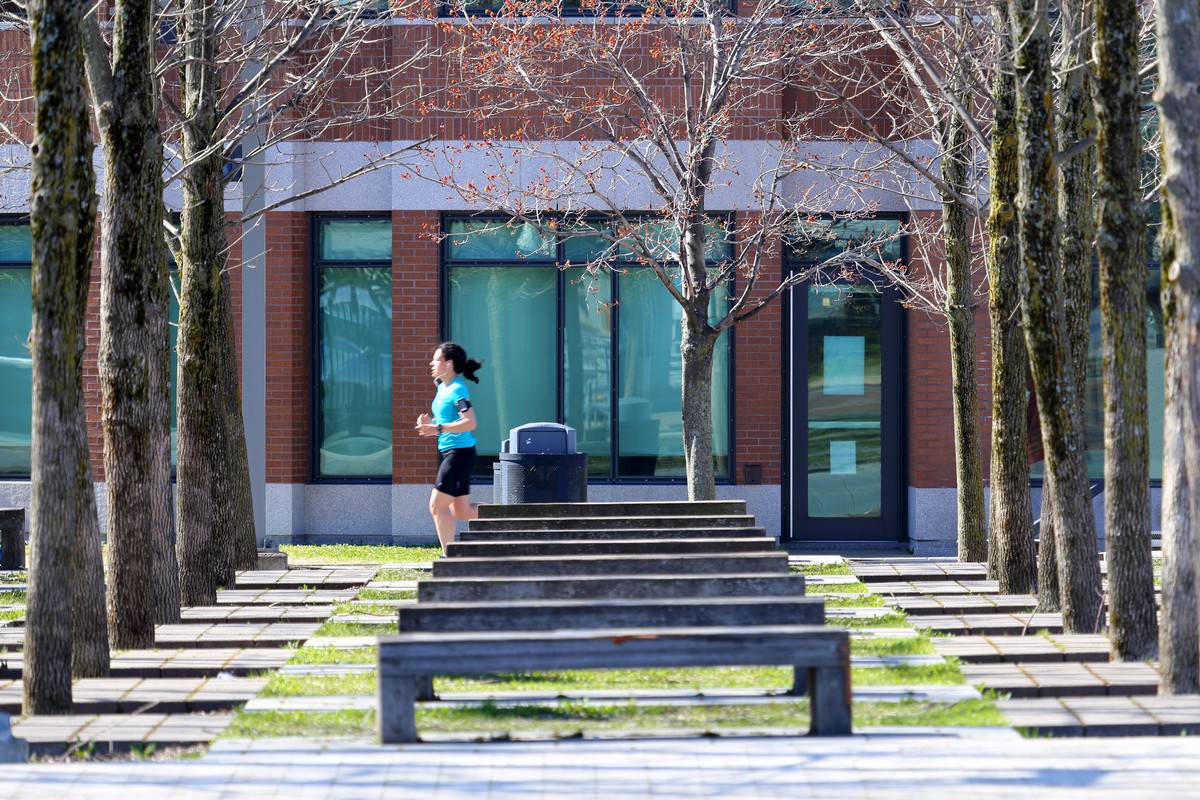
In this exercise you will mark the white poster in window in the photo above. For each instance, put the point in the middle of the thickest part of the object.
(845, 358)
(843, 458)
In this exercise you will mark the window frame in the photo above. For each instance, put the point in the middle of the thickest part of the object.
(316, 264)
(445, 264)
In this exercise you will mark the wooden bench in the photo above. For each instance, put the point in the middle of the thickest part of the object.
(819, 655)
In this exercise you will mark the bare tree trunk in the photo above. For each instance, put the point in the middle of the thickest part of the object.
(1132, 614)
(1179, 636)
(1047, 556)
(133, 312)
(1179, 116)
(200, 416)
(89, 627)
(697, 346)
(62, 218)
(960, 312)
(1046, 329)
(239, 546)
(1011, 559)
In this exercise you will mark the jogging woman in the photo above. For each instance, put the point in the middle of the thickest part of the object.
(451, 420)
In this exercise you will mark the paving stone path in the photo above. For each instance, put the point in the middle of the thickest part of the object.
(1052, 683)
(183, 693)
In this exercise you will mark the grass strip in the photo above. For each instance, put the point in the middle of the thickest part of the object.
(858, 587)
(834, 568)
(14, 576)
(337, 628)
(334, 655)
(387, 594)
(376, 609)
(323, 554)
(12, 598)
(402, 574)
(895, 619)
(572, 718)
(856, 601)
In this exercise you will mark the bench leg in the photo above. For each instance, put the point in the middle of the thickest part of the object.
(397, 711)
(425, 688)
(799, 682)
(829, 689)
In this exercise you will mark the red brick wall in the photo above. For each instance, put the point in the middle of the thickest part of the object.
(289, 308)
(415, 305)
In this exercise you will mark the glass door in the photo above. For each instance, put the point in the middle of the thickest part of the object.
(846, 480)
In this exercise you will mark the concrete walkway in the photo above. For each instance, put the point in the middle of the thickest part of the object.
(911, 764)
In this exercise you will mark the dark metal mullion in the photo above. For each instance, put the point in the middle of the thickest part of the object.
(614, 392)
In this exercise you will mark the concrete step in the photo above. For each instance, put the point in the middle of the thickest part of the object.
(310, 577)
(584, 588)
(613, 533)
(193, 663)
(965, 604)
(609, 523)
(137, 695)
(631, 546)
(666, 508)
(118, 733)
(551, 566)
(636, 613)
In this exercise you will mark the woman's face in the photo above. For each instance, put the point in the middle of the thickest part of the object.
(439, 367)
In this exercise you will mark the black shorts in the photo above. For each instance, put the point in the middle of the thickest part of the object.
(454, 471)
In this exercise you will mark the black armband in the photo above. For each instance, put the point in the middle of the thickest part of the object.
(463, 405)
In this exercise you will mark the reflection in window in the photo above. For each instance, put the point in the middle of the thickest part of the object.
(354, 335)
(598, 350)
(816, 240)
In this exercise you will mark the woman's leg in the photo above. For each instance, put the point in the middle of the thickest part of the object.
(440, 505)
(464, 509)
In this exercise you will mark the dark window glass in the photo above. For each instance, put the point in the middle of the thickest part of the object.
(354, 348)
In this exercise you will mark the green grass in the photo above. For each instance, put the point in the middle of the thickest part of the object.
(9, 616)
(14, 576)
(334, 655)
(379, 609)
(334, 628)
(403, 574)
(571, 718)
(909, 646)
(837, 568)
(262, 724)
(858, 601)
(894, 619)
(706, 678)
(388, 594)
(319, 685)
(838, 588)
(322, 554)
(12, 598)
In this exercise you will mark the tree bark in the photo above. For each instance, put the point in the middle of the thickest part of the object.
(1179, 117)
(239, 544)
(1046, 330)
(698, 343)
(1011, 558)
(62, 218)
(960, 313)
(1132, 613)
(1049, 598)
(202, 225)
(1179, 636)
(133, 333)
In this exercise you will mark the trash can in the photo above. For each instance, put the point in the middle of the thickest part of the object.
(538, 464)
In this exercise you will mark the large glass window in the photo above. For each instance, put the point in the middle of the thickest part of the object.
(598, 351)
(353, 277)
(16, 364)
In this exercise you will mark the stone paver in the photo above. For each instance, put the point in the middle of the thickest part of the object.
(306, 577)
(257, 613)
(1105, 716)
(956, 604)
(139, 695)
(989, 624)
(917, 764)
(1064, 679)
(277, 634)
(1026, 649)
(116, 732)
(244, 597)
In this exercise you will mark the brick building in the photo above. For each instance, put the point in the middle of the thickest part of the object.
(832, 409)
